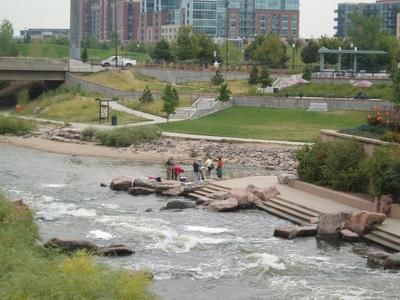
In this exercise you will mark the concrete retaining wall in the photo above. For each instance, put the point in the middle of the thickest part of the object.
(304, 103)
(207, 111)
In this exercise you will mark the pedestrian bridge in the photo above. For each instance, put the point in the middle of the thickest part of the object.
(46, 69)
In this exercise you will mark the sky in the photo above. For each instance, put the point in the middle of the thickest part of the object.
(316, 16)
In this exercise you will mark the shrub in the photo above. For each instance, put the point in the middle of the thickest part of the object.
(224, 93)
(253, 77)
(307, 73)
(23, 97)
(147, 96)
(344, 166)
(126, 136)
(311, 161)
(88, 134)
(16, 126)
(218, 78)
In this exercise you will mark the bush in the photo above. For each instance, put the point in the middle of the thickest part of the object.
(28, 271)
(344, 167)
(307, 73)
(126, 136)
(147, 96)
(16, 126)
(311, 161)
(23, 97)
(88, 134)
(253, 77)
(218, 78)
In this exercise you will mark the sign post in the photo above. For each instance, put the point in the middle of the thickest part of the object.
(104, 109)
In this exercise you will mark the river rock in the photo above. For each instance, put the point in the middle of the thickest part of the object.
(148, 184)
(286, 178)
(220, 195)
(122, 183)
(178, 191)
(349, 236)
(363, 222)
(392, 262)
(166, 185)
(266, 193)
(71, 245)
(180, 204)
(377, 259)
(230, 204)
(330, 225)
(285, 232)
(307, 230)
(135, 191)
(103, 185)
(115, 250)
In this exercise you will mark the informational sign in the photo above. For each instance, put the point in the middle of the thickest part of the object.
(104, 111)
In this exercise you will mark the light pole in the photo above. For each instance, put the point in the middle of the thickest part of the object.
(226, 30)
(293, 47)
(116, 34)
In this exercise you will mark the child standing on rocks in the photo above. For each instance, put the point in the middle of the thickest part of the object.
(220, 165)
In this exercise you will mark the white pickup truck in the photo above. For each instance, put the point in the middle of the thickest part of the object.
(121, 62)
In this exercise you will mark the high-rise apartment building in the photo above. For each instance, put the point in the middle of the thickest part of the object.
(387, 10)
(150, 20)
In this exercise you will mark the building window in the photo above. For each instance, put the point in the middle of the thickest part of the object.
(262, 24)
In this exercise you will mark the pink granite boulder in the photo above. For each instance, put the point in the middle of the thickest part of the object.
(122, 183)
(363, 222)
(230, 204)
(349, 236)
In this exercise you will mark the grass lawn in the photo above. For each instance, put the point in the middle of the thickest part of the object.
(35, 49)
(69, 107)
(266, 123)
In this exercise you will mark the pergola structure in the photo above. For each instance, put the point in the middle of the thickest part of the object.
(353, 52)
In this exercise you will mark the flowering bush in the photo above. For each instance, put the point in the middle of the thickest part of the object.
(390, 119)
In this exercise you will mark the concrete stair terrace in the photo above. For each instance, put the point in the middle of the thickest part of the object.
(300, 203)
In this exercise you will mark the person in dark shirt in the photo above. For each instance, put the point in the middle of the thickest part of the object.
(196, 171)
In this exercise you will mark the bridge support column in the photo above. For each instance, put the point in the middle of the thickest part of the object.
(74, 31)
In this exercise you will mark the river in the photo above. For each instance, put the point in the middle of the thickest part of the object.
(193, 254)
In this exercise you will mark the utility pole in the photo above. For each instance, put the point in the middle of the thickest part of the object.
(116, 34)
(226, 30)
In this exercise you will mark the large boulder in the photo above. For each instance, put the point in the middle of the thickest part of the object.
(148, 184)
(230, 204)
(115, 250)
(293, 232)
(392, 262)
(135, 191)
(330, 225)
(122, 183)
(286, 178)
(166, 185)
(349, 236)
(265, 193)
(220, 195)
(180, 204)
(363, 222)
(177, 191)
(71, 245)
(248, 201)
(377, 259)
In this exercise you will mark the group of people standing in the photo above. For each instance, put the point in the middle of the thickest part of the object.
(174, 171)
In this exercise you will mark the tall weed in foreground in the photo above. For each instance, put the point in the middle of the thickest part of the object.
(16, 126)
(28, 271)
(126, 136)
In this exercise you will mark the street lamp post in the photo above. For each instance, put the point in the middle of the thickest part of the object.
(226, 30)
(293, 47)
(116, 34)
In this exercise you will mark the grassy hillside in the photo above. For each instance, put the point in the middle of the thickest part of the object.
(266, 123)
(60, 51)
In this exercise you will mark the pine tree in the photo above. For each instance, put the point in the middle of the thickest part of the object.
(218, 78)
(253, 77)
(171, 100)
(307, 73)
(147, 96)
(224, 93)
(84, 55)
(265, 78)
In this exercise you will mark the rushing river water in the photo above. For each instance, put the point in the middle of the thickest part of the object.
(193, 254)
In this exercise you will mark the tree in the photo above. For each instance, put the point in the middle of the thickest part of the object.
(84, 55)
(309, 54)
(224, 93)
(218, 78)
(307, 73)
(147, 96)
(265, 78)
(253, 77)
(171, 100)
(162, 51)
(396, 86)
(7, 44)
(271, 52)
(183, 46)
(203, 48)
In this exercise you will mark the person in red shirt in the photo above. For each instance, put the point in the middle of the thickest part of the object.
(177, 172)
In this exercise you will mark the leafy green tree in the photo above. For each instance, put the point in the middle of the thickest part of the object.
(331, 43)
(265, 78)
(224, 93)
(309, 54)
(203, 47)
(218, 78)
(271, 52)
(147, 96)
(84, 55)
(183, 46)
(162, 51)
(307, 73)
(171, 100)
(365, 31)
(253, 77)
(7, 44)
(396, 85)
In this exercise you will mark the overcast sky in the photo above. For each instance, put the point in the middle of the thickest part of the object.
(316, 16)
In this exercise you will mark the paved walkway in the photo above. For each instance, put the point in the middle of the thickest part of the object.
(302, 198)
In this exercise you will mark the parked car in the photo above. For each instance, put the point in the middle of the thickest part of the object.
(121, 62)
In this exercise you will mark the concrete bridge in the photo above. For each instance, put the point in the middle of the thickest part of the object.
(46, 69)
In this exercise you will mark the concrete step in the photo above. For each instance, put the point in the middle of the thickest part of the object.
(299, 205)
(288, 211)
(295, 207)
(213, 189)
(280, 213)
(382, 228)
(387, 236)
(201, 193)
(216, 185)
(381, 241)
(197, 196)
